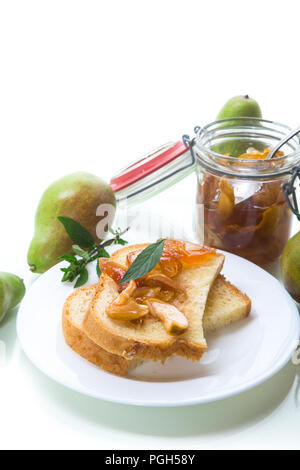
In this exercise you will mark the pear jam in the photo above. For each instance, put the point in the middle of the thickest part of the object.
(154, 293)
(248, 218)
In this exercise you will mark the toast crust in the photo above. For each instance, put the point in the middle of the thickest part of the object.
(122, 341)
(84, 346)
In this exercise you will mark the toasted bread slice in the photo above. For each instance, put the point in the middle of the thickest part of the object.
(150, 340)
(225, 305)
(74, 311)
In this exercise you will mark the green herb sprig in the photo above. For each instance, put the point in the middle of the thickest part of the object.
(83, 239)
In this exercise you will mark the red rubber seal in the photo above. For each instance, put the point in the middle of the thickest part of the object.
(129, 177)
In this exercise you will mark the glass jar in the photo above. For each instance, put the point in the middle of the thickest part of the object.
(241, 207)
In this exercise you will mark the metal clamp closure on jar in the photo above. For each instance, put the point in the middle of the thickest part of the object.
(289, 191)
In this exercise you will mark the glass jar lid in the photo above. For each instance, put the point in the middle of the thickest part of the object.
(215, 146)
(153, 173)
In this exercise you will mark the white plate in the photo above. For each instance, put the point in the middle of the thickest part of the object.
(239, 357)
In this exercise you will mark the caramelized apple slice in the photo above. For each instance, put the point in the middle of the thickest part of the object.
(269, 221)
(163, 281)
(173, 320)
(130, 311)
(114, 270)
(154, 279)
(131, 257)
(125, 306)
(167, 295)
(143, 293)
(226, 200)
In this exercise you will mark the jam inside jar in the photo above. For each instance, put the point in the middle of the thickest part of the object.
(241, 207)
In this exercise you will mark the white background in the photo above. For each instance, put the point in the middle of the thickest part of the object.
(92, 85)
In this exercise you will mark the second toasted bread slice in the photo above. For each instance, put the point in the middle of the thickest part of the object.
(225, 304)
(150, 339)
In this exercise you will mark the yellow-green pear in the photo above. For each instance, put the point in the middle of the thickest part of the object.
(76, 196)
(12, 291)
(290, 266)
(238, 106)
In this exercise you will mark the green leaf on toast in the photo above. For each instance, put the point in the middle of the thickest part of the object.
(77, 233)
(144, 262)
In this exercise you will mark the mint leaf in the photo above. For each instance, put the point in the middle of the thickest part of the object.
(120, 241)
(98, 270)
(77, 233)
(144, 262)
(69, 258)
(65, 277)
(103, 253)
(77, 268)
(80, 252)
(82, 279)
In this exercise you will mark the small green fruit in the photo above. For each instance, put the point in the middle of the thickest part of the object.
(76, 196)
(238, 106)
(12, 291)
(290, 266)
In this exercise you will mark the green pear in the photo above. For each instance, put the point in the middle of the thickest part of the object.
(12, 291)
(76, 196)
(238, 106)
(290, 266)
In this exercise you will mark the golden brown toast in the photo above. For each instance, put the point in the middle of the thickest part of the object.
(225, 305)
(150, 340)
